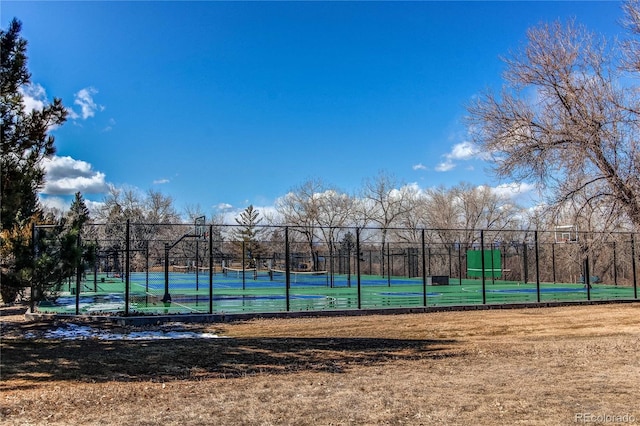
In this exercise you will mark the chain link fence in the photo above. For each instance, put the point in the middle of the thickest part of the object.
(152, 269)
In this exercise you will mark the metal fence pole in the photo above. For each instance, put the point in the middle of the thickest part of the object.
(424, 272)
(167, 296)
(587, 278)
(493, 265)
(78, 273)
(460, 263)
(94, 256)
(525, 262)
(126, 267)
(633, 267)
(358, 267)
(287, 266)
(211, 270)
(553, 261)
(34, 249)
(197, 265)
(615, 265)
(484, 284)
(146, 266)
(244, 280)
(388, 265)
(535, 238)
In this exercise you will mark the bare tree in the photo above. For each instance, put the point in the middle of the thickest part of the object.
(159, 208)
(481, 208)
(412, 219)
(384, 203)
(300, 208)
(335, 210)
(566, 119)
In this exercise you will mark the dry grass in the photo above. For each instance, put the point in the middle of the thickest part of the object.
(533, 366)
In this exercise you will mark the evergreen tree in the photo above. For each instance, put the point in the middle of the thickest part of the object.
(77, 218)
(248, 234)
(24, 142)
(60, 250)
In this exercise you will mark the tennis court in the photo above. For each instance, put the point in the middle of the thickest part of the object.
(154, 269)
(266, 291)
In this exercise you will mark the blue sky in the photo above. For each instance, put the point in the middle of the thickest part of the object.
(235, 103)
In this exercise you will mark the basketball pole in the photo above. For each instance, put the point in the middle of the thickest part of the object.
(198, 228)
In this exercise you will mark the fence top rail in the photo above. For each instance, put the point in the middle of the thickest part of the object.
(303, 228)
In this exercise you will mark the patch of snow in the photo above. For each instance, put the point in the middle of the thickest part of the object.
(83, 332)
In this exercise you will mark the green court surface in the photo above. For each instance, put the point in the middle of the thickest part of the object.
(262, 293)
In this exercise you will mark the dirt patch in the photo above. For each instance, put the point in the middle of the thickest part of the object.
(531, 366)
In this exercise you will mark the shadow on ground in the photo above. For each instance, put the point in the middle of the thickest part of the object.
(39, 360)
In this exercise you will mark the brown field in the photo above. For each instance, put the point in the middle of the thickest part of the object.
(542, 366)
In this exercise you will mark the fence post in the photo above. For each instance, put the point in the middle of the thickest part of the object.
(34, 248)
(615, 265)
(525, 262)
(95, 266)
(358, 267)
(197, 266)
(167, 296)
(553, 260)
(493, 264)
(535, 238)
(287, 266)
(388, 265)
(211, 270)
(244, 280)
(146, 266)
(484, 284)
(126, 268)
(424, 272)
(633, 267)
(459, 263)
(586, 275)
(78, 273)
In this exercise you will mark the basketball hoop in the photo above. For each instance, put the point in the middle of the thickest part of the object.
(566, 234)
(200, 227)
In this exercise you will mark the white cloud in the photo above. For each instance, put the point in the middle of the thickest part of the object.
(161, 181)
(419, 166)
(229, 213)
(109, 127)
(462, 151)
(513, 190)
(94, 206)
(34, 97)
(56, 204)
(65, 175)
(88, 107)
(224, 206)
(445, 166)
(61, 205)
(72, 114)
